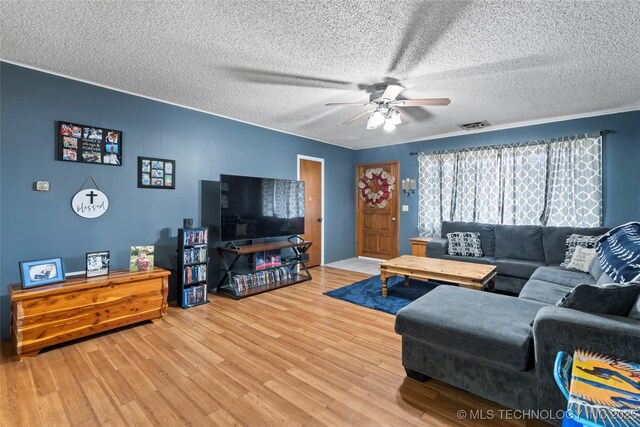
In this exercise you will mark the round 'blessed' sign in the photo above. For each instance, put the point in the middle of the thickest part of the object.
(90, 203)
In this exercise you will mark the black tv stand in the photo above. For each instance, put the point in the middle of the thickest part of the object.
(275, 279)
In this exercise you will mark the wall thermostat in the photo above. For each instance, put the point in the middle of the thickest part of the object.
(41, 185)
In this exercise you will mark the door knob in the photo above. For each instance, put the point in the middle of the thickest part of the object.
(393, 219)
(319, 219)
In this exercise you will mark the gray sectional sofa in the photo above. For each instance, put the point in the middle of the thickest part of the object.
(516, 250)
(503, 348)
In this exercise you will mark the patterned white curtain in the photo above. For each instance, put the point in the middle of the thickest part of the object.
(548, 182)
(282, 198)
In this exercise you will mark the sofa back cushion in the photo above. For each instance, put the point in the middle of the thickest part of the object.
(635, 310)
(519, 242)
(595, 269)
(554, 240)
(604, 279)
(487, 236)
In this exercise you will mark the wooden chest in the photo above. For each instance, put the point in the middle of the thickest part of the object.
(81, 306)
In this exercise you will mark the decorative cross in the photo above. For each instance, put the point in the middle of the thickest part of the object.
(91, 195)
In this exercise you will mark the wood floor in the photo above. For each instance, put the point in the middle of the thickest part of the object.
(288, 357)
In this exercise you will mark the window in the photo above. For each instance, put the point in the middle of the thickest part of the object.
(549, 182)
(282, 198)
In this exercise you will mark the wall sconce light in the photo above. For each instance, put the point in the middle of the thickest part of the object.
(408, 186)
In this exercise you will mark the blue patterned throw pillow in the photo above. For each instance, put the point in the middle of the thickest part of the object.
(464, 244)
(619, 253)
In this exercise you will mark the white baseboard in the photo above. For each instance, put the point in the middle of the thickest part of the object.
(371, 259)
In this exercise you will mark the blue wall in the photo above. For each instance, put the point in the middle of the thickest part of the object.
(39, 225)
(621, 162)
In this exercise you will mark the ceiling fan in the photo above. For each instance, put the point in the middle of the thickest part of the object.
(386, 107)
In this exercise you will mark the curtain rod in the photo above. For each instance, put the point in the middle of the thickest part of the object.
(602, 132)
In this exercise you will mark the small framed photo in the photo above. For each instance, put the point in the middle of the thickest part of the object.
(40, 273)
(156, 173)
(97, 263)
(141, 258)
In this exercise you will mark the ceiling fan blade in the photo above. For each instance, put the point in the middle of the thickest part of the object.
(288, 79)
(347, 103)
(392, 91)
(516, 65)
(358, 117)
(429, 22)
(420, 102)
(417, 114)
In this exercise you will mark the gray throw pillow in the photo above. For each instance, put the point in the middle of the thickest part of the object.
(575, 240)
(464, 244)
(615, 299)
(635, 310)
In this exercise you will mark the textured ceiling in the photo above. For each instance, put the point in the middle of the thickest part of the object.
(276, 63)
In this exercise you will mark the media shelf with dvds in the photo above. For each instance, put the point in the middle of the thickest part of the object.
(193, 266)
(263, 269)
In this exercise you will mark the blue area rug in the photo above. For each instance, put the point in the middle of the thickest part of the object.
(367, 293)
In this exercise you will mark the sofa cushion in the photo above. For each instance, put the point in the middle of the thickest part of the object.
(543, 291)
(487, 236)
(554, 240)
(519, 242)
(479, 260)
(561, 276)
(465, 244)
(614, 299)
(517, 267)
(437, 247)
(595, 269)
(605, 279)
(635, 310)
(574, 241)
(509, 285)
(491, 327)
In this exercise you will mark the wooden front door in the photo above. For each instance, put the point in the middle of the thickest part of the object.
(377, 219)
(311, 174)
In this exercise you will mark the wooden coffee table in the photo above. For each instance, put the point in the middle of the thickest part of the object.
(466, 274)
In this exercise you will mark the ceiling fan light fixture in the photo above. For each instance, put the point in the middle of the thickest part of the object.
(371, 123)
(377, 117)
(394, 116)
(383, 98)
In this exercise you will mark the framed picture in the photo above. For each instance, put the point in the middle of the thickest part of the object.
(89, 144)
(97, 263)
(141, 258)
(156, 173)
(40, 273)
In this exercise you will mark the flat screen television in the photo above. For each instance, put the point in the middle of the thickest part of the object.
(258, 208)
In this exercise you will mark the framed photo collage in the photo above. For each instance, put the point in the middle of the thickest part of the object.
(156, 173)
(89, 144)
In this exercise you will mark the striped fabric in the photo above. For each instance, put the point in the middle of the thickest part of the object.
(619, 252)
